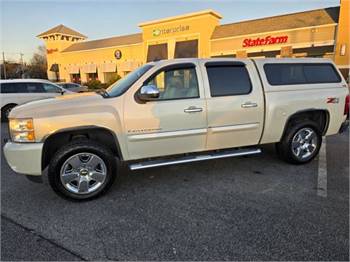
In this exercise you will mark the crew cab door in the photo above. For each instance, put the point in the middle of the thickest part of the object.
(235, 103)
(174, 123)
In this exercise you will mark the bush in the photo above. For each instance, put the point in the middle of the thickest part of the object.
(94, 84)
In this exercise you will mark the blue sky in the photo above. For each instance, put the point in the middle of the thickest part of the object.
(21, 21)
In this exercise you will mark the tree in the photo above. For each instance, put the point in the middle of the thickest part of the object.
(37, 67)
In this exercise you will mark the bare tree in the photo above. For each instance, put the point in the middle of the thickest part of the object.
(37, 67)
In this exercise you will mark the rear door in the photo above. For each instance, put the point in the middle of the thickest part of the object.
(235, 103)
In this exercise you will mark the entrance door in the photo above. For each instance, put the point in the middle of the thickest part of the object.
(235, 104)
(173, 124)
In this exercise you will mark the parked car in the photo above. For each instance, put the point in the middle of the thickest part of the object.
(178, 111)
(19, 91)
(74, 87)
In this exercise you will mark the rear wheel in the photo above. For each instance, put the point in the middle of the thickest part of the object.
(5, 111)
(301, 142)
(82, 170)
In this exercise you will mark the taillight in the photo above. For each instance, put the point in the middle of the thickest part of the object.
(346, 107)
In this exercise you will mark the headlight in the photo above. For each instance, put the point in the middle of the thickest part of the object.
(22, 130)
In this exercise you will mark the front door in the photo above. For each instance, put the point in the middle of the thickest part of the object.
(173, 124)
(235, 104)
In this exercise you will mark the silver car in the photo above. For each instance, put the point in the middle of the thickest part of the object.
(74, 87)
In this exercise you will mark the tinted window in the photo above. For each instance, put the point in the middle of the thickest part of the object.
(8, 88)
(289, 74)
(228, 80)
(126, 82)
(35, 88)
(176, 83)
(321, 73)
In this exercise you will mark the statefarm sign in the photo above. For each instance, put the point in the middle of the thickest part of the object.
(268, 40)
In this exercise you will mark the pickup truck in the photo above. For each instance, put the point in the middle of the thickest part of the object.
(178, 111)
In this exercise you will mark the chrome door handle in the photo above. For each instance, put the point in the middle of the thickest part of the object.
(249, 105)
(193, 109)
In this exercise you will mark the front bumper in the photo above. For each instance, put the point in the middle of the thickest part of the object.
(24, 158)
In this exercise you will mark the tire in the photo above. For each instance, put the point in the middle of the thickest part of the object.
(82, 170)
(292, 141)
(5, 112)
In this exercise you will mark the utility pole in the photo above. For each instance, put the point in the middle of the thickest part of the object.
(4, 64)
(22, 66)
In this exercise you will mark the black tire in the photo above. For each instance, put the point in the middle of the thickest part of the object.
(5, 111)
(71, 149)
(284, 147)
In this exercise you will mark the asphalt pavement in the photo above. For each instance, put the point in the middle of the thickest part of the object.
(246, 208)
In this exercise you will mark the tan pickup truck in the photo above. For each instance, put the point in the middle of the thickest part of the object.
(178, 111)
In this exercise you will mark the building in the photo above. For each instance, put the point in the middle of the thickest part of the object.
(315, 33)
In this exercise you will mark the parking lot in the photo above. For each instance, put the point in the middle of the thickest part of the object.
(247, 208)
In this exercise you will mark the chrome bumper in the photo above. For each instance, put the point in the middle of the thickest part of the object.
(24, 158)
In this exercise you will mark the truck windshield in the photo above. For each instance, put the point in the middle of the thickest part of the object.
(124, 84)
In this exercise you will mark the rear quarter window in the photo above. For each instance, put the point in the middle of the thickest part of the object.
(294, 74)
(11, 88)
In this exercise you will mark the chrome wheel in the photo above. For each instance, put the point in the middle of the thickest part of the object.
(83, 173)
(304, 143)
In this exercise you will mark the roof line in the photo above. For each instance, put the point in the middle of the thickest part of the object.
(266, 17)
(188, 15)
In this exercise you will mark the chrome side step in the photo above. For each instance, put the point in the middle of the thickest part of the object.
(188, 159)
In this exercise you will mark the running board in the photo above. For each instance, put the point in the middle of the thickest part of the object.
(188, 159)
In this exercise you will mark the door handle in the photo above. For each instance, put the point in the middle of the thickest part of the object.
(249, 105)
(193, 109)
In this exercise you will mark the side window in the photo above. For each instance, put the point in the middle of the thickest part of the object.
(176, 83)
(51, 88)
(228, 80)
(35, 88)
(293, 74)
(7, 88)
(325, 73)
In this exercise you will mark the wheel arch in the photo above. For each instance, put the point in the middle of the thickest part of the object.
(59, 138)
(319, 116)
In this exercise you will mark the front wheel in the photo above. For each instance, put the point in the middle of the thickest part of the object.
(301, 142)
(82, 170)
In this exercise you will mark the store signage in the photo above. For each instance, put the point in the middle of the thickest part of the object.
(50, 51)
(177, 29)
(118, 54)
(268, 40)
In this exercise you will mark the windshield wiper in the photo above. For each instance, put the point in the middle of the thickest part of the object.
(103, 93)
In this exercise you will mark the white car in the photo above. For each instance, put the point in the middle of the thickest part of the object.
(19, 91)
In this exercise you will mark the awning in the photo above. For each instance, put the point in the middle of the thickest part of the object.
(54, 68)
(73, 69)
(108, 67)
(128, 66)
(87, 69)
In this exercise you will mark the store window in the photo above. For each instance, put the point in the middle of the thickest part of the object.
(157, 52)
(186, 49)
(92, 76)
(75, 78)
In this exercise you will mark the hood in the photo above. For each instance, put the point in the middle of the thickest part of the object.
(56, 106)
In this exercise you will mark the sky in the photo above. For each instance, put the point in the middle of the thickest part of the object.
(22, 20)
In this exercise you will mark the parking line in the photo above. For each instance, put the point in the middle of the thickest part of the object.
(322, 170)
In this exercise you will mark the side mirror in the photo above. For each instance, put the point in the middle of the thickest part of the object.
(149, 93)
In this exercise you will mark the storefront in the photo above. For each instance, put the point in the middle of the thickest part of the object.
(315, 33)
